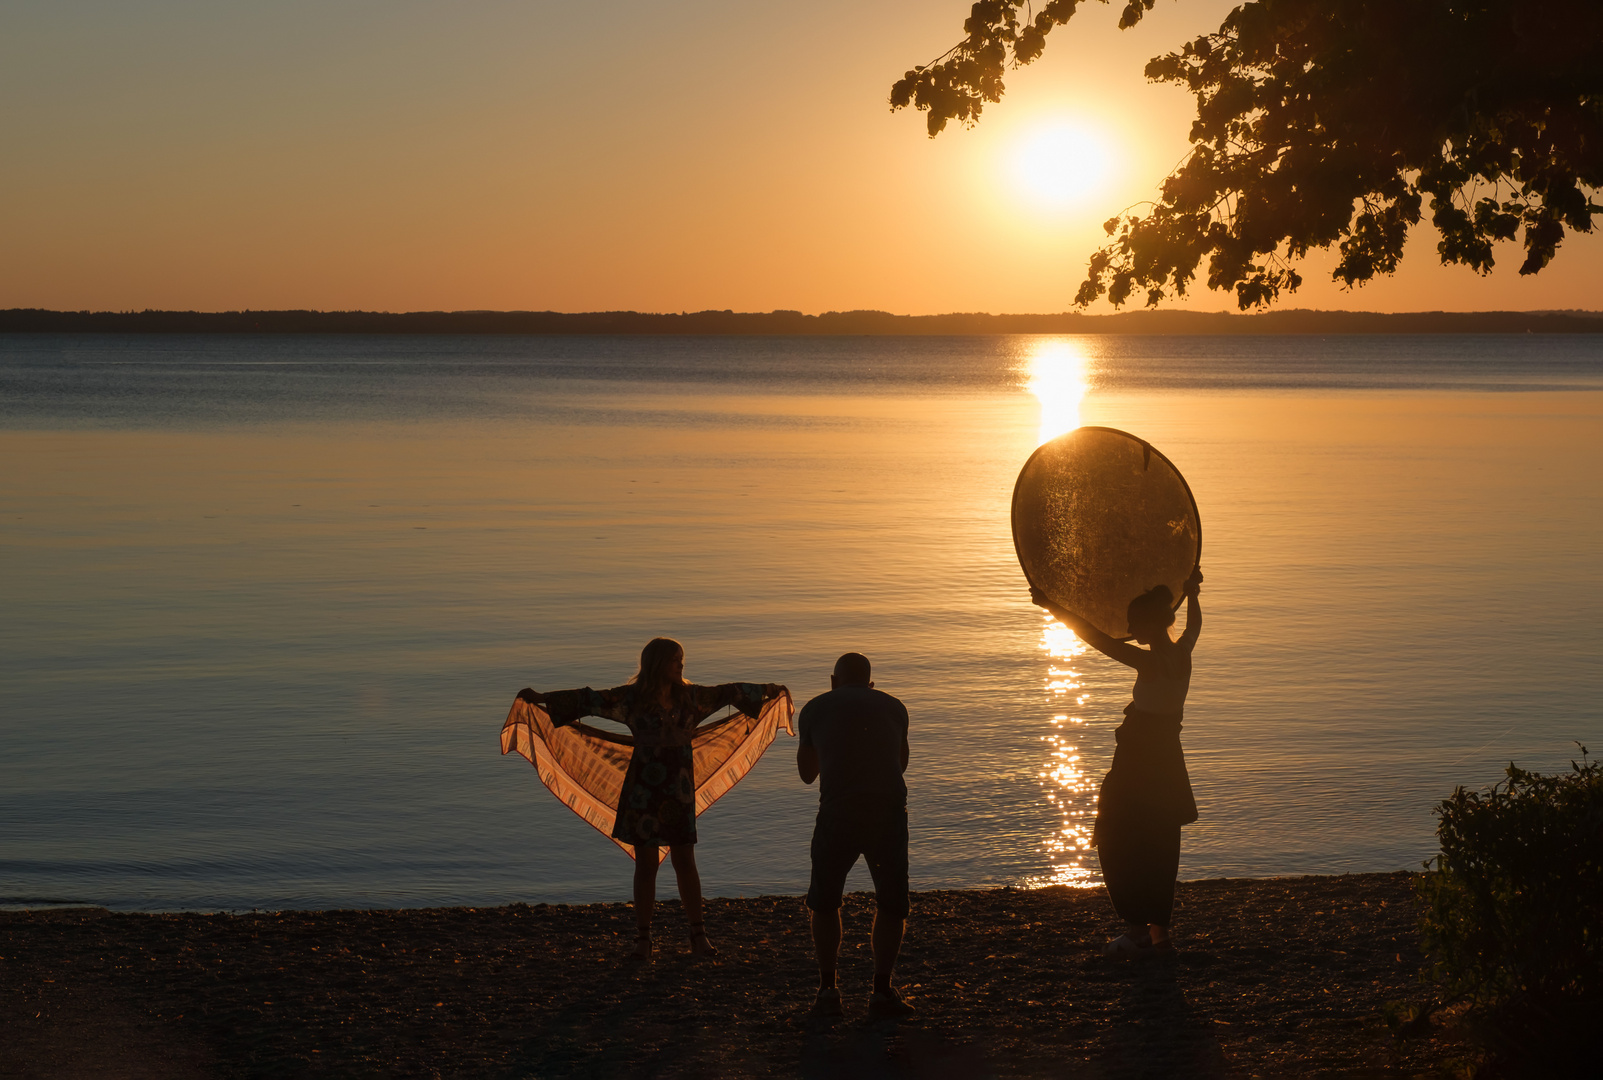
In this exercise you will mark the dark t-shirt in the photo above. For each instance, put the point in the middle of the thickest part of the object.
(858, 732)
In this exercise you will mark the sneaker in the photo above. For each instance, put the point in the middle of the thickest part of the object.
(888, 1005)
(828, 1003)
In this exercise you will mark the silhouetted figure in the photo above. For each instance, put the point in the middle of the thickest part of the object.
(657, 805)
(854, 741)
(1146, 796)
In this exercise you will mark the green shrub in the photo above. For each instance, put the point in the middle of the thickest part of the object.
(1513, 917)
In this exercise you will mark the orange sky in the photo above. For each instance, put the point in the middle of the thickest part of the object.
(405, 155)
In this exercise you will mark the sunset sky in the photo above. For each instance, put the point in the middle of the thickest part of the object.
(489, 154)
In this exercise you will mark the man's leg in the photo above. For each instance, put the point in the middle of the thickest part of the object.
(833, 854)
(887, 863)
(887, 943)
(826, 941)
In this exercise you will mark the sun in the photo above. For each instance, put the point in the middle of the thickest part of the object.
(1063, 164)
(1058, 377)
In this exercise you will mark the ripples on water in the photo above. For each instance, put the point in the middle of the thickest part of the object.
(266, 600)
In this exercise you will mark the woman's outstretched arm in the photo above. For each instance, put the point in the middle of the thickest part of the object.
(1121, 651)
(749, 698)
(569, 706)
(1193, 586)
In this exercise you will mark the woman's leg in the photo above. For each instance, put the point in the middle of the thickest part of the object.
(1139, 864)
(1164, 859)
(645, 896)
(684, 868)
(1119, 853)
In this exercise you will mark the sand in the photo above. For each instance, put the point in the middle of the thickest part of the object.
(1274, 977)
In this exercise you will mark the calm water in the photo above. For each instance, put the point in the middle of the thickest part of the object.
(264, 602)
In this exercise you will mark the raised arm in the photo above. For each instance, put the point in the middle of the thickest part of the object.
(1123, 652)
(749, 698)
(1193, 586)
(569, 706)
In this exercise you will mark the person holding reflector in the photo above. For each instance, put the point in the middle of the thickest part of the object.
(1146, 796)
(1107, 533)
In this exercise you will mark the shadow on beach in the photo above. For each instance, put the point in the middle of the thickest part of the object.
(1155, 1032)
(1152, 1032)
(891, 1052)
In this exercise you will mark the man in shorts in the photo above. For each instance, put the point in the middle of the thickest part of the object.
(854, 741)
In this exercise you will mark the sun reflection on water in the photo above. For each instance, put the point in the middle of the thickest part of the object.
(1058, 377)
(1069, 788)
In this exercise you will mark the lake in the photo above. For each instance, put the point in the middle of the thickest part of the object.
(266, 600)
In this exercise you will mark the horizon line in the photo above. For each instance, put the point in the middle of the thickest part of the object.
(788, 322)
(794, 312)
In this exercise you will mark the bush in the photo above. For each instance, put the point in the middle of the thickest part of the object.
(1513, 917)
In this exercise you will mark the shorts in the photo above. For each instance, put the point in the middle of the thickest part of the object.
(879, 835)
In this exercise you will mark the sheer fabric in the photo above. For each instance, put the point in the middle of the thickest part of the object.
(584, 766)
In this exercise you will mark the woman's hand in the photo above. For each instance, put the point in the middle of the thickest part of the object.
(1193, 585)
(1041, 600)
(528, 694)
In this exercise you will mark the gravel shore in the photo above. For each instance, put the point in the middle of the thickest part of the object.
(1274, 977)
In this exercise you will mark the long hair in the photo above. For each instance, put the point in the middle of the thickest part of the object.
(653, 677)
(1156, 604)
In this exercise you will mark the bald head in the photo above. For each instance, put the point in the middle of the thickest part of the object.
(851, 670)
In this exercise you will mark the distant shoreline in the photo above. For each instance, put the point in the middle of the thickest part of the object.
(1295, 321)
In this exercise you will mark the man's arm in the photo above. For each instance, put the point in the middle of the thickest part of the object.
(806, 752)
(807, 762)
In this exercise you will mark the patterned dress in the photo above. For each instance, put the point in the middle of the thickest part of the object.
(657, 806)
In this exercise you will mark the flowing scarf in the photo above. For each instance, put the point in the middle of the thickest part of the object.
(583, 766)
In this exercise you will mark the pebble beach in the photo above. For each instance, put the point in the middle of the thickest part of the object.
(1273, 977)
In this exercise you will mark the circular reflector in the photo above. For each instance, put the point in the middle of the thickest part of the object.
(1100, 517)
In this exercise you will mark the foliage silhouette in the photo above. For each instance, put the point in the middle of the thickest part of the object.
(1513, 919)
(1331, 122)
